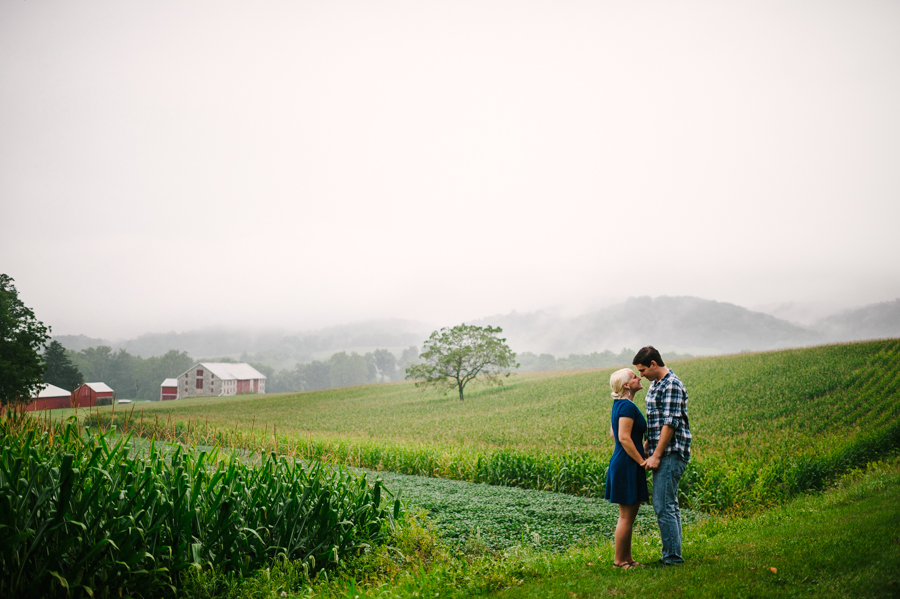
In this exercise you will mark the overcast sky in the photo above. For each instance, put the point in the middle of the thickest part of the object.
(174, 165)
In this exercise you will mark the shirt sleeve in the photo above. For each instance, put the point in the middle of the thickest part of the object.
(673, 405)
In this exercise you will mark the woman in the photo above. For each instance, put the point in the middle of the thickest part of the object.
(626, 480)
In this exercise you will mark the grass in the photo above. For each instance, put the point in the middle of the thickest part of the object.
(766, 426)
(840, 543)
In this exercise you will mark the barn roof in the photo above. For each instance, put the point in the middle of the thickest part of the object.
(99, 387)
(53, 391)
(229, 371)
(169, 383)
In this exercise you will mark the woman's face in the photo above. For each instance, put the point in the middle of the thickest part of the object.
(634, 384)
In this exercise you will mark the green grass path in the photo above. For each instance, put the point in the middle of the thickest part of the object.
(845, 543)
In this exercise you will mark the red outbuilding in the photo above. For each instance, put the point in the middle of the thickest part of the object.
(50, 397)
(168, 390)
(88, 394)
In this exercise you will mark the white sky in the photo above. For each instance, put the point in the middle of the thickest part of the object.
(173, 165)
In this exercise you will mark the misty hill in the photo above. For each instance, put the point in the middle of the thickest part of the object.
(686, 325)
(680, 324)
(80, 342)
(876, 321)
(277, 348)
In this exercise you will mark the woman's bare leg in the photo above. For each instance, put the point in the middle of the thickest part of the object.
(627, 514)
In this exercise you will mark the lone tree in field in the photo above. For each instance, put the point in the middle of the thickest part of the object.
(453, 357)
(21, 338)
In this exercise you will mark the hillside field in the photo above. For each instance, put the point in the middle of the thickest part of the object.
(766, 426)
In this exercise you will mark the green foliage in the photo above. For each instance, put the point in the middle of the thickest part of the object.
(79, 515)
(500, 518)
(341, 370)
(130, 376)
(346, 370)
(22, 337)
(766, 426)
(842, 543)
(454, 357)
(60, 369)
(386, 363)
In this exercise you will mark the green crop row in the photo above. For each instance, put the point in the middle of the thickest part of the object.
(766, 426)
(707, 485)
(80, 516)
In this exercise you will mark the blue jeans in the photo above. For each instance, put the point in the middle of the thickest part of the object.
(665, 504)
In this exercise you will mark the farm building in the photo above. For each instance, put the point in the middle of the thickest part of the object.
(50, 397)
(92, 394)
(220, 378)
(168, 390)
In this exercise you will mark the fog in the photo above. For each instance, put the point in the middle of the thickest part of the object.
(169, 166)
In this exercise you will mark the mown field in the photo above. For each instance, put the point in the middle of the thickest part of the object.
(766, 426)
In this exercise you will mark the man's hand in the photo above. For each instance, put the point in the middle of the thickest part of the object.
(651, 463)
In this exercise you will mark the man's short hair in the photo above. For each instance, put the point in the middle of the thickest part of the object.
(646, 355)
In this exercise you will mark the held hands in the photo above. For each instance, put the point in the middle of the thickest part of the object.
(651, 463)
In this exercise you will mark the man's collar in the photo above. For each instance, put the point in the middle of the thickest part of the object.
(660, 380)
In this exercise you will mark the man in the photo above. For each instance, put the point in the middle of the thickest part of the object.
(668, 446)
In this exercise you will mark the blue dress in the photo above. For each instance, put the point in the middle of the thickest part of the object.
(626, 481)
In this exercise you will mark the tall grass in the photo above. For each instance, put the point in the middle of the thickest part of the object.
(80, 516)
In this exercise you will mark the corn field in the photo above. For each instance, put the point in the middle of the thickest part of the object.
(81, 516)
(766, 426)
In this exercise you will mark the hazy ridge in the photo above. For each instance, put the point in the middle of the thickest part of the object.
(675, 324)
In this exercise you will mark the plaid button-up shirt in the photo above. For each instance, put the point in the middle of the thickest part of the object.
(667, 405)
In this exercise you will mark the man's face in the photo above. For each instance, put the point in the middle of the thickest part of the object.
(651, 373)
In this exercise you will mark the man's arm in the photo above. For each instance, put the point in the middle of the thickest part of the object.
(665, 435)
(673, 404)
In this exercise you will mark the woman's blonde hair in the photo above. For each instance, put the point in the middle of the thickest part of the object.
(617, 382)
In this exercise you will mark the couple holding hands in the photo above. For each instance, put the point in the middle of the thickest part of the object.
(665, 452)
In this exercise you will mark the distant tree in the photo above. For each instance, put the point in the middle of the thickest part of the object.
(151, 372)
(454, 357)
(348, 370)
(371, 367)
(95, 363)
(22, 336)
(266, 370)
(285, 381)
(317, 375)
(409, 357)
(386, 362)
(60, 369)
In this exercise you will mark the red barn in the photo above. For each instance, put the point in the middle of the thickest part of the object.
(88, 394)
(50, 397)
(168, 390)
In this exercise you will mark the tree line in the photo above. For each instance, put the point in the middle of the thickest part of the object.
(134, 377)
(129, 376)
(340, 370)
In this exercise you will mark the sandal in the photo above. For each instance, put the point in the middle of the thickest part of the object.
(629, 565)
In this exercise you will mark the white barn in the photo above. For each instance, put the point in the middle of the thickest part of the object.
(220, 378)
